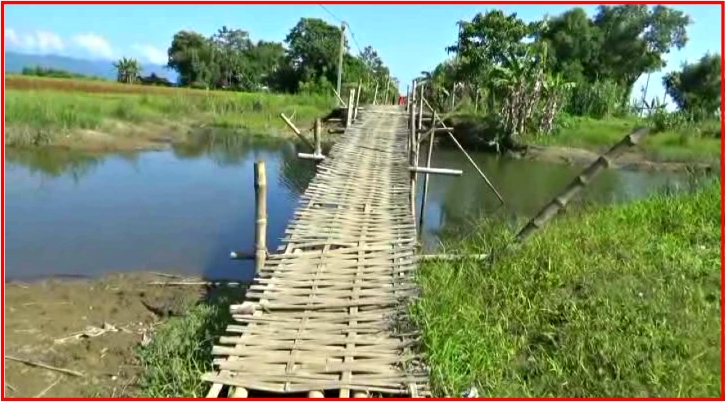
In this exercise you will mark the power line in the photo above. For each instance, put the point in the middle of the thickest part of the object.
(331, 14)
(352, 34)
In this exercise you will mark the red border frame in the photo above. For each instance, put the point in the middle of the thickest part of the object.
(525, 2)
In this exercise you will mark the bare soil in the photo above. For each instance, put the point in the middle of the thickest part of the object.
(633, 160)
(88, 326)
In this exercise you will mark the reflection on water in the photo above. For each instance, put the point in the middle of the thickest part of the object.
(455, 203)
(186, 208)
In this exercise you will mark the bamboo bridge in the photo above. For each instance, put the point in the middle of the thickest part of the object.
(325, 316)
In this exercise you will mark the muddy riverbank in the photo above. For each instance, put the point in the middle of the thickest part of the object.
(79, 337)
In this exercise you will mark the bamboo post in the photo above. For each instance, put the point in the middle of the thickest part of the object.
(426, 180)
(580, 182)
(261, 213)
(385, 93)
(408, 98)
(349, 111)
(357, 101)
(316, 136)
(375, 94)
(413, 152)
(419, 125)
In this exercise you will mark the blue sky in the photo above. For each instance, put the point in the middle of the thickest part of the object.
(409, 38)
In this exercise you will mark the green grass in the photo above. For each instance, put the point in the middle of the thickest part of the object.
(180, 350)
(42, 117)
(690, 143)
(622, 301)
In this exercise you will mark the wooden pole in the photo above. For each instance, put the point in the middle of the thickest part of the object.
(261, 213)
(408, 98)
(413, 152)
(385, 94)
(375, 94)
(349, 111)
(580, 182)
(341, 52)
(426, 181)
(357, 101)
(317, 132)
(419, 123)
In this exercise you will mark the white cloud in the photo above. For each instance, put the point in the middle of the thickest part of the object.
(151, 54)
(11, 37)
(36, 41)
(96, 45)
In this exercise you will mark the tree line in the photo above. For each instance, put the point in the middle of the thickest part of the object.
(305, 62)
(522, 76)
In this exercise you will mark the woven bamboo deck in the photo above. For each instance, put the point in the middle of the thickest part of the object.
(329, 308)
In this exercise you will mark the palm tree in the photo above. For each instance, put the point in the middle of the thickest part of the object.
(128, 70)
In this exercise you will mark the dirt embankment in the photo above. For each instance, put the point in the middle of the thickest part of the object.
(77, 338)
(633, 160)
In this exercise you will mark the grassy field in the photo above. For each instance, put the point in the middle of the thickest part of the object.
(619, 302)
(85, 113)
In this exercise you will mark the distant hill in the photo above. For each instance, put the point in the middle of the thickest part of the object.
(14, 63)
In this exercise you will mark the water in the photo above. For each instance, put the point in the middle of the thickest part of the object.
(185, 209)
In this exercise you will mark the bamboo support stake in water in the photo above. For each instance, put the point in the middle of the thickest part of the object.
(349, 110)
(261, 213)
(426, 182)
(580, 182)
(317, 132)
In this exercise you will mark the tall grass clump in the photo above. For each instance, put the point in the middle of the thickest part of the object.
(618, 302)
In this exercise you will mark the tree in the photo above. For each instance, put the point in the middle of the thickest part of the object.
(189, 54)
(696, 88)
(127, 70)
(313, 48)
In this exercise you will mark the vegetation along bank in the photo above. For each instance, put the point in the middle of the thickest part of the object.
(523, 88)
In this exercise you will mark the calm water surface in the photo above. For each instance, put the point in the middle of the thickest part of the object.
(185, 209)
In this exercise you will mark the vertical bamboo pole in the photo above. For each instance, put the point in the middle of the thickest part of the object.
(375, 94)
(261, 212)
(413, 151)
(408, 97)
(385, 94)
(419, 126)
(426, 177)
(357, 101)
(317, 131)
(349, 112)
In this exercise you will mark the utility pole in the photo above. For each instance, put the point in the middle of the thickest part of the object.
(340, 56)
